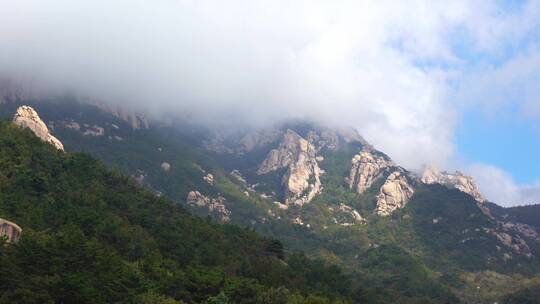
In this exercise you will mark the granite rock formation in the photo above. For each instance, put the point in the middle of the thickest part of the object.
(366, 167)
(11, 231)
(27, 117)
(394, 194)
(214, 205)
(302, 180)
(464, 183)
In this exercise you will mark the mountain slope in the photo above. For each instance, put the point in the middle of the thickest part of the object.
(90, 235)
(405, 238)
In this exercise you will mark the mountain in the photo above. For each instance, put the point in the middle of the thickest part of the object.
(87, 234)
(404, 237)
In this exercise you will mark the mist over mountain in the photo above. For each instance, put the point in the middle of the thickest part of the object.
(307, 152)
(403, 74)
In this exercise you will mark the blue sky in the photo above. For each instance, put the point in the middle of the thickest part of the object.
(507, 141)
(497, 100)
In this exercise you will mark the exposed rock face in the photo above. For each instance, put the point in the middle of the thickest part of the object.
(320, 137)
(281, 206)
(345, 216)
(365, 169)
(84, 129)
(94, 131)
(523, 229)
(302, 180)
(517, 244)
(214, 205)
(15, 91)
(27, 117)
(134, 119)
(10, 230)
(72, 125)
(259, 139)
(432, 175)
(236, 174)
(324, 139)
(394, 194)
(355, 215)
(139, 178)
(334, 139)
(291, 149)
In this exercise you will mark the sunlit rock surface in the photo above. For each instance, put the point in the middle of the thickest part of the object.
(27, 117)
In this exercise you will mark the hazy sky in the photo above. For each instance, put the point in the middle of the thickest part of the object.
(455, 83)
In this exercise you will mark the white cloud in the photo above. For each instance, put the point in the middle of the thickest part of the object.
(498, 186)
(514, 83)
(390, 68)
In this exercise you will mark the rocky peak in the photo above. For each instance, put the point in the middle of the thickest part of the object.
(302, 180)
(394, 194)
(464, 183)
(366, 167)
(27, 117)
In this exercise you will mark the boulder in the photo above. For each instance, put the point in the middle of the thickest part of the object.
(209, 178)
(165, 166)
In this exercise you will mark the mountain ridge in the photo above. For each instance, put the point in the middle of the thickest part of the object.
(340, 223)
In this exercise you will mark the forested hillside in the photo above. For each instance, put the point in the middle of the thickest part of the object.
(90, 235)
(442, 246)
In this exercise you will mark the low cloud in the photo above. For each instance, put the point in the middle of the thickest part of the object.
(402, 73)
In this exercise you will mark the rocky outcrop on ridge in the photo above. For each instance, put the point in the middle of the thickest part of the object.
(302, 179)
(27, 117)
(432, 175)
(365, 169)
(394, 194)
(11, 231)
